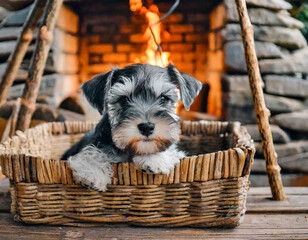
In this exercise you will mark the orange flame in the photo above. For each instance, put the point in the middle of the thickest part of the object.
(152, 16)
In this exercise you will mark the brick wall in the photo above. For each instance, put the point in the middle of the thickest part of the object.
(112, 35)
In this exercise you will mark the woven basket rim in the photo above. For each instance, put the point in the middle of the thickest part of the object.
(16, 162)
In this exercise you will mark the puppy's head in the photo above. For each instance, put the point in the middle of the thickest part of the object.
(140, 101)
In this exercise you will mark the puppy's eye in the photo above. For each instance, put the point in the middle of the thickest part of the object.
(163, 99)
(123, 100)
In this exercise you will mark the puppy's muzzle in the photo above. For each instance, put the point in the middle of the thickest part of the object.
(146, 129)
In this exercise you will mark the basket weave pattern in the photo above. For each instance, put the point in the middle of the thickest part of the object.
(205, 190)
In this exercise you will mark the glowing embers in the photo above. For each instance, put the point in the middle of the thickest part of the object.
(152, 16)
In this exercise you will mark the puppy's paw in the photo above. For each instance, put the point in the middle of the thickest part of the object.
(92, 168)
(161, 162)
(147, 170)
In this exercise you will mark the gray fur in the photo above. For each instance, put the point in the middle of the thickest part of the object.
(128, 97)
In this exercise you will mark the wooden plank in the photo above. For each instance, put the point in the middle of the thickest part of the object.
(289, 180)
(293, 204)
(288, 191)
(257, 226)
(259, 201)
(274, 221)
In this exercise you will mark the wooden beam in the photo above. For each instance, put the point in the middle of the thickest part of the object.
(262, 113)
(254, 226)
(37, 64)
(21, 48)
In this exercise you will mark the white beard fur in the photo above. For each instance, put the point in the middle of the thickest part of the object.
(92, 167)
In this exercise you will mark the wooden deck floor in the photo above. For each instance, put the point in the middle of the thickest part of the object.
(265, 219)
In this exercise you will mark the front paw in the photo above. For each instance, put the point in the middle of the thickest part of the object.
(147, 170)
(156, 163)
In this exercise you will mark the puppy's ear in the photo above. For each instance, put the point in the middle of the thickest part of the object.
(95, 89)
(189, 86)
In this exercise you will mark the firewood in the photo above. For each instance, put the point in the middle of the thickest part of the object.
(273, 169)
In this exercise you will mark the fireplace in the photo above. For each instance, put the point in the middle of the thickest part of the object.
(113, 35)
(93, 36)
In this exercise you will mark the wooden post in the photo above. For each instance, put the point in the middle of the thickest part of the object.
(20, 50)
(37, 65)
(262, 113)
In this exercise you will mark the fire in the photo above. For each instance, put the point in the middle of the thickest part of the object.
(152, 16)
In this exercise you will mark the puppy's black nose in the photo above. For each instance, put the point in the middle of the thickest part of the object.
(146, 129)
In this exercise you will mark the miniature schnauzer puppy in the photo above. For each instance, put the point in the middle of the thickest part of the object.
(139, 124)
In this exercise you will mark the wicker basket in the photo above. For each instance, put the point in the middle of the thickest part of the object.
(204, 190)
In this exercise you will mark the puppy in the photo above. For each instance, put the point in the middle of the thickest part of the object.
(139, 124)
